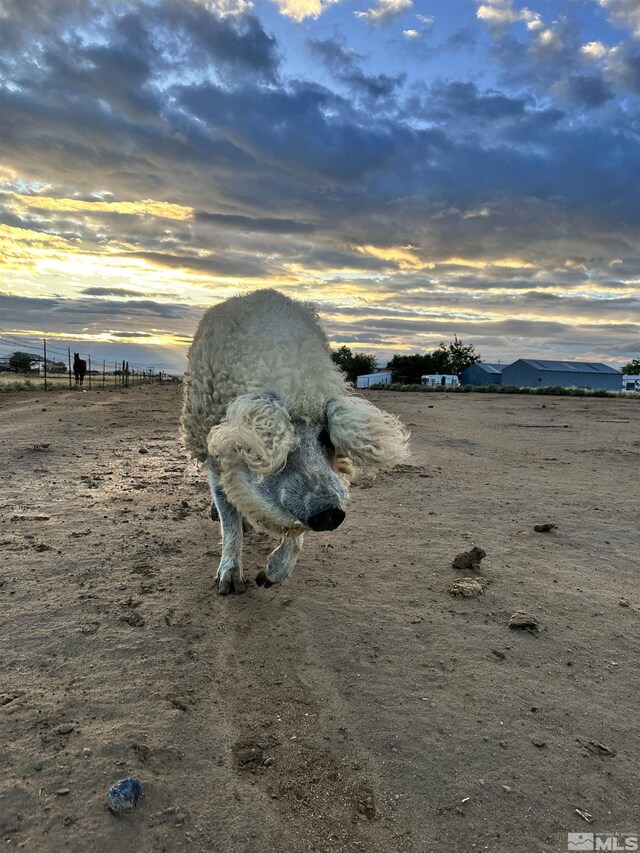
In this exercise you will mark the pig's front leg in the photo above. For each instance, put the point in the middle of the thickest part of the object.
(229, 575)
(281, 561)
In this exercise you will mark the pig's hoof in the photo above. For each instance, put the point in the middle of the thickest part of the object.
(225, 586)
(239, 587)
(263, 580)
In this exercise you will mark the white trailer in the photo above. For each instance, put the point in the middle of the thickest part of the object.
(631, 383)
(444, 380)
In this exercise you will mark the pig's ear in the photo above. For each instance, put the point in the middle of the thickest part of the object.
(256, 430)
(374, 440)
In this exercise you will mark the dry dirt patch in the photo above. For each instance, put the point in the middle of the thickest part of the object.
(359, 707)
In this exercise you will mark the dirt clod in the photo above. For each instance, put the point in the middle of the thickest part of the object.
(466, 587)
(521, 621)
(469, 560)
(366, 805)
(141, 751)
(545, 528)
(596, 748)
(135, 619)
(248, 755)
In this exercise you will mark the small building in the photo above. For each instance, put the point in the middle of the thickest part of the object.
(367, 379)
(444, 380)
(533, 373)
(631, 383)
(482, 373)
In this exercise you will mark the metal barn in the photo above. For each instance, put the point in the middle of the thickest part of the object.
(482, 373)
(530, 373)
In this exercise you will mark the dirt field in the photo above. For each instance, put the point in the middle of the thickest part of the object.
(360, 706)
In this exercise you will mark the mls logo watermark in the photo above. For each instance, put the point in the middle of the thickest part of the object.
(620, 843)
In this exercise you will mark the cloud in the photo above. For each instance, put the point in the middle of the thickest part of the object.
(553, 61)
(145, 207)
(62, 314)
(385, 12)
(623, 65)
(298, 10)
(304, 130)
(589, 90)
(121, 56)
(229, 266)
(344, 65)
(448, 99)
(499, 13)
(270, 225)
(623, 13)
(164, 148)
(110, 291)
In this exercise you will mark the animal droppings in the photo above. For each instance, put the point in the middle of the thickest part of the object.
(545, 528)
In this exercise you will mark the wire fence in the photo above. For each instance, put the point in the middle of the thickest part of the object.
(48, 364)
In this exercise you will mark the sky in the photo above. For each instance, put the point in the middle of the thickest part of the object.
(417, 168)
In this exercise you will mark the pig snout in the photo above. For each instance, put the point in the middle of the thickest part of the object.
(327, 519)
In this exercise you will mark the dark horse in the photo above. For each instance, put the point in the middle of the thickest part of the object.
(79, 368)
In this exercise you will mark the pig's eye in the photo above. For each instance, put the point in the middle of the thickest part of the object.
(325, 440)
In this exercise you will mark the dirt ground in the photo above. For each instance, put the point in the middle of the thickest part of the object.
(358, 707)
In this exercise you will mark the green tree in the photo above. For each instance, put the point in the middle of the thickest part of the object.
(441, 359)
(451, 358)
(461, 356)
(354, 364)
(22, 362)
(342, 357)
(633, 368)
(409, 368)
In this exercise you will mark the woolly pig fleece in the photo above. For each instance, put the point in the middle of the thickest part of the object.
(260, 379)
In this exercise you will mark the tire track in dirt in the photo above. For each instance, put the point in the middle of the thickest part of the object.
(289, 744)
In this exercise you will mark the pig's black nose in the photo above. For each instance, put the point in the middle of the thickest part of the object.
(328, 519)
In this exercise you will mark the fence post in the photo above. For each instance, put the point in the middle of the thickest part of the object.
(89, 373)
(104, 372)
(69, 355)
(115, 374)
(45, 363)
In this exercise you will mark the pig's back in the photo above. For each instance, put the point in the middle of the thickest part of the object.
(261, 341)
